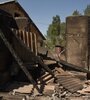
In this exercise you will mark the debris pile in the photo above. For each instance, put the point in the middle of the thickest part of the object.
(56, 90)
(44, 78)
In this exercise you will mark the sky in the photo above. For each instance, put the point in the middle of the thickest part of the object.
(42, 11)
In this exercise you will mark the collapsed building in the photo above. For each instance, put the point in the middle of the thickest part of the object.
(22, 61)
(25, 29)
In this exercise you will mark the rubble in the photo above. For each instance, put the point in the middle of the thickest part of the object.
(51, 91)
(46, 78)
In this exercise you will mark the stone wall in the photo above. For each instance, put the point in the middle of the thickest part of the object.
(77, 36)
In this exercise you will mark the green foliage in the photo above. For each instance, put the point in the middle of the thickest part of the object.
(87, 10)
(56, 33)
(56, 30)
(76, 13)
(53, 31)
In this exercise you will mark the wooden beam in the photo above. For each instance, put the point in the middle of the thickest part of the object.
(68, 65)
(18, 60)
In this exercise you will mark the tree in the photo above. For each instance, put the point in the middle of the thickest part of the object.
(56, 33)
(76, 13)
(53, 31)
(87, 10)
(62, 33)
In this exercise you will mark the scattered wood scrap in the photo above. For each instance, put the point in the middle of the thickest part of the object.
(29, 89)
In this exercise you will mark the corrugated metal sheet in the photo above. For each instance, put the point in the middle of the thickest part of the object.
(69, 82)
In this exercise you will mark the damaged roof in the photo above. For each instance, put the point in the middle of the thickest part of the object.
(7, 1)
(15, 1)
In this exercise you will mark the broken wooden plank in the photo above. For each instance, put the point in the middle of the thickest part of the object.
(44, 66)
(69, 65)
(18, 60)
(27, 55)
(7, 96)
(78, 98)
(19, 57)
(45, 79)
(49, 62)
(27, 89)
(85, 90)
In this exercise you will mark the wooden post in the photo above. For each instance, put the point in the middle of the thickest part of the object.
(23, 36)
(15, 32)
(35, 43)
(19, 32)
(27, 35)
(31, 42)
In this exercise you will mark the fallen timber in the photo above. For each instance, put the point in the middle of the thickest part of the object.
(21, 64)
(74, 67)
(23, 55)
(65, 64)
